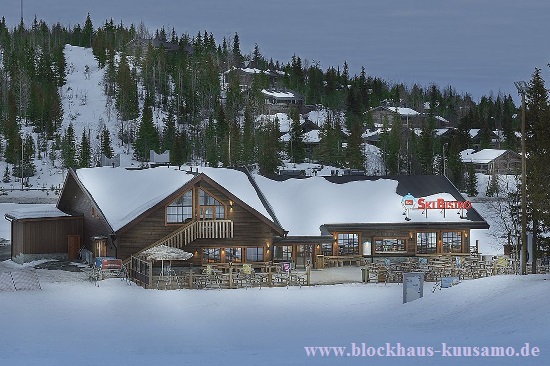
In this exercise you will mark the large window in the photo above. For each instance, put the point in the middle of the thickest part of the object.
(181, 209)
(348, 244)
(211, 208)
(233, 255)
(211, 255)
(255, 254)
(390, 245)
(426, 243)
(326, 248)
(283, 252)
(451, 242)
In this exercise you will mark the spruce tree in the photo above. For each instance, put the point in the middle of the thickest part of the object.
(85, 156)
(471, 181)
(249, 144)
(68, 148)
(296, 147)
(354, 153)
(147, 136)
(106, 147)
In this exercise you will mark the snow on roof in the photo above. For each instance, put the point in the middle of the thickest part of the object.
(238, 184)
(122, 195)
(441, 119)
(36, 211)
(403, 111)
(484, 156)
(278, 94)
(441, 131)
(303, 205)
(474, 132)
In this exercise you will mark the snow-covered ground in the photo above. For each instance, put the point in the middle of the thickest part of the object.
(70, 321)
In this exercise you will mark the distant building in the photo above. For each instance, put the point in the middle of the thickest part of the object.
(492, 161)
(281, 100)
(409, 117)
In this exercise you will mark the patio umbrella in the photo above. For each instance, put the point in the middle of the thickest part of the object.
(165, 253)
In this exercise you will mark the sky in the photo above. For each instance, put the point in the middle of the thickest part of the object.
(476, 46)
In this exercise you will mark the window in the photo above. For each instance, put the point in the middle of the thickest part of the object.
(233, 255)
(181, 209)
(451, 242)
(211, 208)
(211, 255)
(326, 248)
(348, 244)
(255, 254)
(283, 252)
(390, 245)
(426, 243)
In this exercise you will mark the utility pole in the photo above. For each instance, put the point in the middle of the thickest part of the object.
(522, 88)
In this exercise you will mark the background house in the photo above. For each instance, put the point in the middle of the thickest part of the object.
(492, 161)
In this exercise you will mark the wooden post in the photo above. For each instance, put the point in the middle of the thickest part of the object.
(150, 270)
(269, 276)
(230, 275)
(308, 274)
(190, 278)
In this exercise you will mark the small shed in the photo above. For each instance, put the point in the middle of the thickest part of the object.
(44, 232)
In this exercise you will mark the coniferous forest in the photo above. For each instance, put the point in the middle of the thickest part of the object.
(212, 116)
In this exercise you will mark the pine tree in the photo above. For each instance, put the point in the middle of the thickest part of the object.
(296, 147)
(269, 148)
(493, 186)
(7, 176)
(87, 32)
(106, 147)
(471, 181)
(147, 136)
(68, 148)
(211, 143)
(85, 156)
(249, 144)
(126, 91)
(537, 145)
(354, 153)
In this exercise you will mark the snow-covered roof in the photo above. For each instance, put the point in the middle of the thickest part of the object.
(238, 184)
(484, 156)
(474, 132)
(36, 211)
(278, 94)
(403, 111)
(439, 118)
(304, 205)
(122, 195)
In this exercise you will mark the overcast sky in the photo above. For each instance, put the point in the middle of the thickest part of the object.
(476, 46)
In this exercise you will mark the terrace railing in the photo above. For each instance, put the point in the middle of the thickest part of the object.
(203, 229)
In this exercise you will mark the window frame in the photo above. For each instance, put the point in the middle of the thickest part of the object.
(178, 214)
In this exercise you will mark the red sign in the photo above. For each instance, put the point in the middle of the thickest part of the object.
(441, 204)
(111, 264)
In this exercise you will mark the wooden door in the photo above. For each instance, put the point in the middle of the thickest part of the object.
(73, 243)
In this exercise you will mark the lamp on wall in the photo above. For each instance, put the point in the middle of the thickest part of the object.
(465, 234)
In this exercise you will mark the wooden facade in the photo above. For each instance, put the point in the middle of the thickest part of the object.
(249, 229)
(55, 237)
(219, 227)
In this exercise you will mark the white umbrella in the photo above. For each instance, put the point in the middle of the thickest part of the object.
(164, 252)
